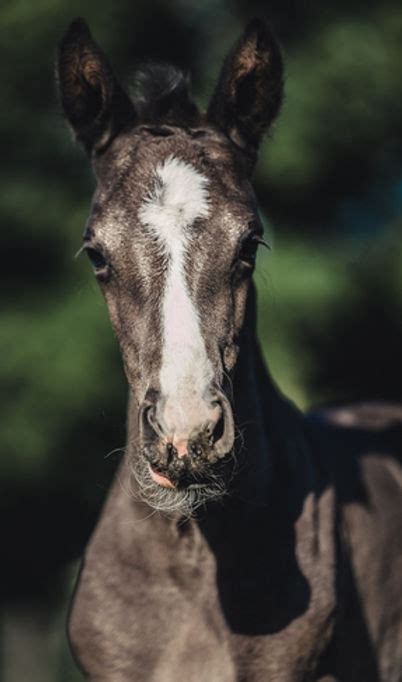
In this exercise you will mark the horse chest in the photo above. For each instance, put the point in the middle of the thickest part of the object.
(153, 617)
(172, 610)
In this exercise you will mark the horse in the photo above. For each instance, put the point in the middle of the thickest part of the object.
(241, 540)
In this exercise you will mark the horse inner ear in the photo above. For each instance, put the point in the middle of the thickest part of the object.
(249, 91)
(94, 103)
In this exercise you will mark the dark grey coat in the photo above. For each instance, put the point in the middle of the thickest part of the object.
(296, 576)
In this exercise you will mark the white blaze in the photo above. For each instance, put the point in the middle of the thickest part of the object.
(177, 200)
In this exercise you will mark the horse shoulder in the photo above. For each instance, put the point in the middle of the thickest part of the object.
(367, 461)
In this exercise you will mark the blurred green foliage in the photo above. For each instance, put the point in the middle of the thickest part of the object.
(329, 182)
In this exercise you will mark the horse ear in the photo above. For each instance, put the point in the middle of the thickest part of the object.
(249, 91)
(94, 103)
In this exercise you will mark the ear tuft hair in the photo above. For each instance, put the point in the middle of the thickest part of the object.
(248, 95)
(94, 103)
(161, 94)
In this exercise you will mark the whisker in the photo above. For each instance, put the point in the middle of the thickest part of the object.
(167, 501)
(115, 451)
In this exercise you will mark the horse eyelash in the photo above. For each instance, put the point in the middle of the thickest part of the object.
(256, 229)
(262, 241)
(88, 245)
(80, 251)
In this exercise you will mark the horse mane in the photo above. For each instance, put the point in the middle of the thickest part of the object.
(161, 94)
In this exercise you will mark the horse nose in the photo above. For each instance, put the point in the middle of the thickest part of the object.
(223, 429)
(216, 434)
(216, 427)
(151, 426)
(206, 435)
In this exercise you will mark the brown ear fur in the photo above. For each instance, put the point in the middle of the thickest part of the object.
(249, 91)
(93, 101)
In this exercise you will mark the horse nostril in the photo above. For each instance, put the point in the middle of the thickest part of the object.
(222, 435)
(153, 421)
(218, 429)
(149, 422)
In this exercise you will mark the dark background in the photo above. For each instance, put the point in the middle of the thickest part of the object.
(329, 184)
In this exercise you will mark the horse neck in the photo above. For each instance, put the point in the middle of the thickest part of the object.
(257, 404)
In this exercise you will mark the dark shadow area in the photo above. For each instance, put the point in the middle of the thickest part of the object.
(261, 585)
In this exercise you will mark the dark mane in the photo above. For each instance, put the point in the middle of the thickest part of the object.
(161, 92)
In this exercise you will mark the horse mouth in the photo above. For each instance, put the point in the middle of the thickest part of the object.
(179, 489)
(165, 482)
(177, 480)
(185, 474)
(160, 478)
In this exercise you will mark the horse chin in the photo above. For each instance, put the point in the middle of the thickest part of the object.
(174, 498)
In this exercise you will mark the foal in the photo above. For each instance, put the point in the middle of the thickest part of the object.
(276, 557)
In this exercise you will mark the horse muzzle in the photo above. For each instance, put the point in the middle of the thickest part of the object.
(178, 459)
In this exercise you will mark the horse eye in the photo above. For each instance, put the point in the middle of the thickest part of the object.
(248, 251)
(98, 262)
(96, 258)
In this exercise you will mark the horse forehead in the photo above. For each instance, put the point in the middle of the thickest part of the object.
(179, 161)
(179, 195)
(168, 183)
(168, 194)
